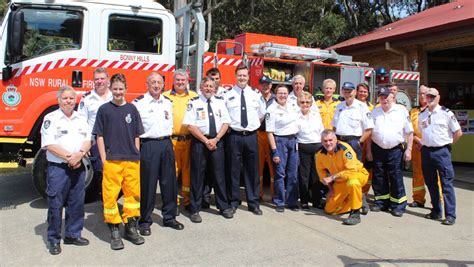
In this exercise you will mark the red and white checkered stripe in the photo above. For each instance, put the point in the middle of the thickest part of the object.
(226, 61)
(95, 63)
(406, 76)
(368, 73)
(256, 61)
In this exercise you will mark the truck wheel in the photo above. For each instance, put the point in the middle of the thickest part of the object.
(39, 173)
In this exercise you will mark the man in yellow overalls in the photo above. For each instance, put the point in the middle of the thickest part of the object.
(339, 169)
(180, 95)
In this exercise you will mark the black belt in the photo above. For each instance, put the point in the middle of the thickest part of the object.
(155, 139)
(448, 146)
(290, 136)
(180, 138)
(346, 138)
(242, 133)
(399, 146)
(65, 165)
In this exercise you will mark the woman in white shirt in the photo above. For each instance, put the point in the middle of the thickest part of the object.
(309, 143)
(281, 126)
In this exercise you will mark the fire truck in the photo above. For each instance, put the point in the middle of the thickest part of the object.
(45, 44)
(281, 59)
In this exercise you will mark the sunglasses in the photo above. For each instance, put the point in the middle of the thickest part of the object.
(305, 102)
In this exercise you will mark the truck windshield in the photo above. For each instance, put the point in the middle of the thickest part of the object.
(49, 30)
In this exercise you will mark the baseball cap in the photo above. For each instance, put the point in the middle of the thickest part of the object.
(432, 92)
(265, 79)
(348, 86)
(383, 91)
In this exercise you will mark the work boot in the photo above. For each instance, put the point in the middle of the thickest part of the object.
(365, 206)
(115, 239)
(131, 233)
(354, 218)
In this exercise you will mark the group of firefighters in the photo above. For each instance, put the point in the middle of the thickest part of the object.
(327, 152)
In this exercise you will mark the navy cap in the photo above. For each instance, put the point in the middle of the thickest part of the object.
(265, 79)
(348, 86)
(383, 91)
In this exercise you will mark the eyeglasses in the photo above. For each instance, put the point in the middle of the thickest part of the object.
(305, 102)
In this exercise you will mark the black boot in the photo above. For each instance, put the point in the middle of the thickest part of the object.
(115, 239)
(365, 205)
(354, 218)
(131, 233)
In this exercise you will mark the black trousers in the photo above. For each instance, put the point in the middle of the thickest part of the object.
(309, 184)
(201, 159)
(242, 154)
(157, 163)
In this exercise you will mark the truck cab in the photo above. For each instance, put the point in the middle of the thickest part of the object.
(46, 44)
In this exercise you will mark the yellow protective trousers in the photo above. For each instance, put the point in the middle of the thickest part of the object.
(182, 153)
(347, 194)
(264, 156)
(121, 175)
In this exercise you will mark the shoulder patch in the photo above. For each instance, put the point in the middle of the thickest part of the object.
(348, 155)
(267, 116)
(167, 97)
(138, 98)
(369, 115)
(81, 105)
(190, 106)
(46, 124)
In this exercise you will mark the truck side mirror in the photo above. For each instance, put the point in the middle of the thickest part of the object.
(16, 34)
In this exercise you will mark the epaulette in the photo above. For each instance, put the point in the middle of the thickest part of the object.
(219, 97)
(341, 98)
(139, 98)
(334, 99)
(342, 146)
(167, 98)
(423, 109)
(194, 98)
(319, 97)
(445, 109)
(86, 94)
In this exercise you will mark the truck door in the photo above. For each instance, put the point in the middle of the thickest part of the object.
(351, 74)
(135, 42)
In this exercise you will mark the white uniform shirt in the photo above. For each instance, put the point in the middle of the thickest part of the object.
(437, 127)
(391, 127)
(353, 120)
(156, 115)
(197, 114)
(281, 120)
(310, 128)
(255, 108)
(90, 104)
(69, 133)
(220, 91)
(293, 102)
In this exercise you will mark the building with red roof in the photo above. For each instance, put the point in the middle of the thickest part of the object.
(438, 42)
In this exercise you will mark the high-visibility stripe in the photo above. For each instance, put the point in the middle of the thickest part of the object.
(387, 196)
(352, 182)
(111, 211)
(131, 205)
(13, 140)
(418, 188)
(398, 201)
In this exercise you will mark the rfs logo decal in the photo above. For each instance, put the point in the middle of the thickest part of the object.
(11, 97)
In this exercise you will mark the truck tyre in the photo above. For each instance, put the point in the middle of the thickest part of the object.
(39, 172)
